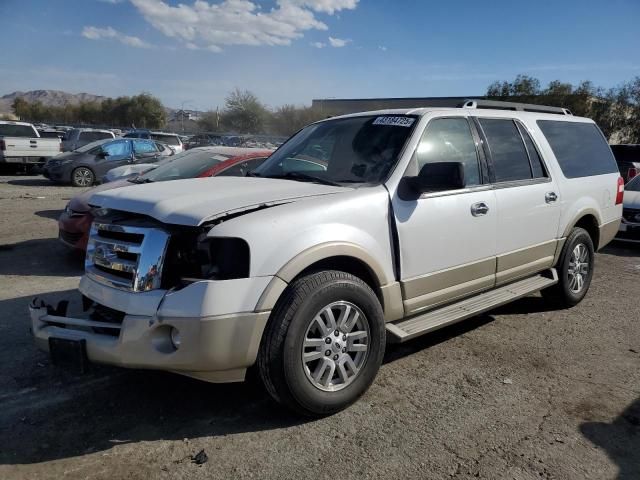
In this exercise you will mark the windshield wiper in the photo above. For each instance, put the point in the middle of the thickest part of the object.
(305, 177)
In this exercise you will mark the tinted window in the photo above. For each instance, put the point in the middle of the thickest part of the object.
(49, 134)
(580, 148)
(450, 140)
(93, 136)
(537, 167)
(255, 162)
(143, 147)
(168, 139)
(9, 130)
(237, 170)
(510, 160)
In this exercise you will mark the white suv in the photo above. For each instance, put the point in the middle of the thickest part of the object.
(360, 229)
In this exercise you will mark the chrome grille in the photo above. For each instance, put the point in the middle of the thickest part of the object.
(125, 257)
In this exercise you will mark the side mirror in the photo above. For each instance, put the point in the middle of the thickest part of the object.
(102, 154)
(439, 176)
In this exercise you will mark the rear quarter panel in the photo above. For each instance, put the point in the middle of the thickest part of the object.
(593, 195)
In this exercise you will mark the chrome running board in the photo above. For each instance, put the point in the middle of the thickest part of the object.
(406, 329)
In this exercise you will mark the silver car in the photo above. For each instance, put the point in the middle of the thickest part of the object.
(630, 227)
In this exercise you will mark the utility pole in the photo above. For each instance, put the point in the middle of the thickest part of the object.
(182, 113)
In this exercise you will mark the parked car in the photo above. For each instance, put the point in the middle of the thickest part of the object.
(628, 160)
(49, 133)
(79, 137)
(422, 218)
(21, 144)
(630, 226)
(208, 154)
(171, 139)
(205, 140)
(75, 220)
(85, 165)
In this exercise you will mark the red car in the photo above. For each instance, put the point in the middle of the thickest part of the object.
(75, 221)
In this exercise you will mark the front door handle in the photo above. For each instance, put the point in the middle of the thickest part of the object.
(479, 209)
(550, 197)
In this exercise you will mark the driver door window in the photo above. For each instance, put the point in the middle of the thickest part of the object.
(450, 140)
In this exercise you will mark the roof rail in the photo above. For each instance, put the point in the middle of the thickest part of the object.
(521, 107)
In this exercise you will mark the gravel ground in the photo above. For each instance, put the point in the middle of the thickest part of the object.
(523, 392)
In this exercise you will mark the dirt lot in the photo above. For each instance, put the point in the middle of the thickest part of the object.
(521, 393)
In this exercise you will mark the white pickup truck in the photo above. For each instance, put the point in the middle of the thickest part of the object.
(359, 229)
(21, 144)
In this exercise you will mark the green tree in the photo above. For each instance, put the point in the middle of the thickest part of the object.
(209, 121)
(21, 107)
(288, 119)
(243, 112)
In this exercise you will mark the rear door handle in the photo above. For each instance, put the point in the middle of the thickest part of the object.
(479, 209)
(550, 197)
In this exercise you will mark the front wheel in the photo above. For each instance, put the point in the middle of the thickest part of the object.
(82, 177)
(575, 270)
(324, 343)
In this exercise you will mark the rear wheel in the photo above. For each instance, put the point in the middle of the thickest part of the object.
(82, 177)
(324, 343)
(575, 270)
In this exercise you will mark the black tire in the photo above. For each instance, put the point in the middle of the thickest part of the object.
(564, 293)
(280, 362)
(82, 177)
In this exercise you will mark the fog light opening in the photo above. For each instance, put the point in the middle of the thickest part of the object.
(175, 337)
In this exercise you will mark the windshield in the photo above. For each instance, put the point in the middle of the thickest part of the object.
(89, 146)
(633, 185)
(346, 150)
(189, 164)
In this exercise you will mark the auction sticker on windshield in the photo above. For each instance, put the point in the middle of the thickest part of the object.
(394, 121)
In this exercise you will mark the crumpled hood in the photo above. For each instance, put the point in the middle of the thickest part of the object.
(80, 203)
(194, 201)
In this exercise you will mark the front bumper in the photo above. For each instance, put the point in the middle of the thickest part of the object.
(215, 345)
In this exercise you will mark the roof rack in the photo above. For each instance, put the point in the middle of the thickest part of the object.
(521, 107)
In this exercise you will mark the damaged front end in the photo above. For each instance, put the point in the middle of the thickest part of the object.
(159, 296)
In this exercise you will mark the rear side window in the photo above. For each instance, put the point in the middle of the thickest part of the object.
(93, 136)
(143, 146)
(12, 130)
(580, 148)
(509, 156)
(168, 139)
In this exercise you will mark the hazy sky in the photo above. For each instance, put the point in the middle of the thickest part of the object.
(290, 51)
